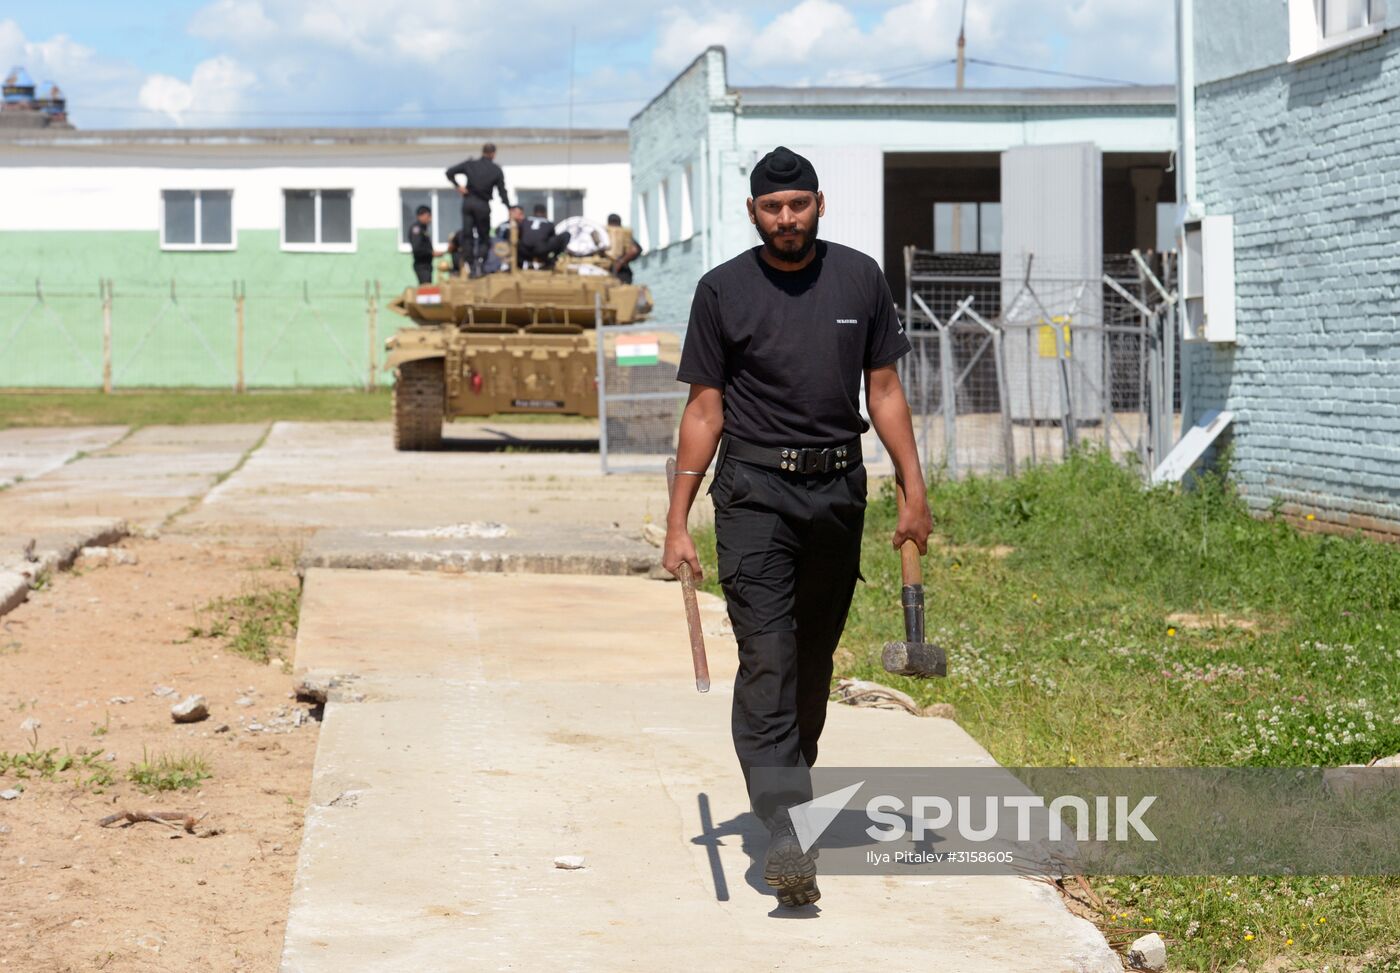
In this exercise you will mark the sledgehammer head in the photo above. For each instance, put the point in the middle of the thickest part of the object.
(920, 659)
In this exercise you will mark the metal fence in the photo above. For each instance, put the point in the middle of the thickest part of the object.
(1020, 367)
(113, 335)
(639, 399)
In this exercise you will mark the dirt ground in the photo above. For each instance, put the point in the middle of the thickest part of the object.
(144, 897)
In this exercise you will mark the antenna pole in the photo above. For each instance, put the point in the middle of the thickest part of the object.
(962, 46)
(569, 137)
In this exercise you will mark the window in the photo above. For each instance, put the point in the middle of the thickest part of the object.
(1340, 16)
(967, 227)
(687, 203)
(1317, 26)
(196, 219)
(446, 205)
(642, 221)
(559, 204)
(317, 219)
(663, 217)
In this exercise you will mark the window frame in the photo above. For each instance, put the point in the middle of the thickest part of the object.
(980, 245)
(198, 245)
(1306, 37)
(550, 199)
(318, 246)
(434, 194)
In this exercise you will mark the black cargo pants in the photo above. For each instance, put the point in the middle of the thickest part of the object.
(476, 226)
(789, 557)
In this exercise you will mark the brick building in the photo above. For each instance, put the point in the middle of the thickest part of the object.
(1290, 130)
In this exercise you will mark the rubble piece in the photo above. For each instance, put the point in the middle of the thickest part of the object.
(323, 685)
(108, 555)
(1148, 953)
(191, 709)
(570, 862)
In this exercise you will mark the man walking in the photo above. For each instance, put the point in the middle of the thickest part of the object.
(777, 343)
(483, 178)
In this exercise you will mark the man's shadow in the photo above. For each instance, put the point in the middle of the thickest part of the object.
(848, 830)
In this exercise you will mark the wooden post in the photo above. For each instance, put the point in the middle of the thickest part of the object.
(104, 287)
(239, 293)
(372, 304)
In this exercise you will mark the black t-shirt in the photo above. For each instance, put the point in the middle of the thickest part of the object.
(787, 348)
(420, 240)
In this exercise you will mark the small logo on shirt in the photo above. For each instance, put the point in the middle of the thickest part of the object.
(847, 321)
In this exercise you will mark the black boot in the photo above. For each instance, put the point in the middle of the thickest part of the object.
(789, 870)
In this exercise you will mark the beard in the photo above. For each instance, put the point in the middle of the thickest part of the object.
(790, 252)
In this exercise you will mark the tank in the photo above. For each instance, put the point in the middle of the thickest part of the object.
(520, 340)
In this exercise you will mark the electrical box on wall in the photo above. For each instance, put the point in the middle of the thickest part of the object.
(1208, 278)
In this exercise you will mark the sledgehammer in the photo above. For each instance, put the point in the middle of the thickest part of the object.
(913, 656)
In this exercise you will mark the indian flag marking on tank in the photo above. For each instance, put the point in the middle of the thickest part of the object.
(638, 349)
(429, 295)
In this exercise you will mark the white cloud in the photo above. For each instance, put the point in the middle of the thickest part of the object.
(820, 41)
(462, 63)
(216, 86)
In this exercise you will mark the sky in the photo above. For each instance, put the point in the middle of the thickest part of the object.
(468, 63)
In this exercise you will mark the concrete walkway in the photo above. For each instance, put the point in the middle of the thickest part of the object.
(506, 720)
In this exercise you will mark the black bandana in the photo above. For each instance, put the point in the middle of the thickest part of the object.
(782, 170)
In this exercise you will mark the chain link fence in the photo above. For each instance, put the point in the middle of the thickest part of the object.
(114, 335)
(639, 399)
(1018, 368)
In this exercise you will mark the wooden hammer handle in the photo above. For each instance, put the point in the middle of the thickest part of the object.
(910, 564)
(911, 567)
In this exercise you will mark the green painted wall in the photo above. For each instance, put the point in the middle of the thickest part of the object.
(306, 320)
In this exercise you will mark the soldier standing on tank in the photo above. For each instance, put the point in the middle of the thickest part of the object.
(420, 242)
(483, 178)
(778, 341)
(622, 248)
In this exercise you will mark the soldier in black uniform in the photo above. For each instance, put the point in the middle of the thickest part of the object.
(483, 178)
(778, 340)
(538, 239)
(420, 241)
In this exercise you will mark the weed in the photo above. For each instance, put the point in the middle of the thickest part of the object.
(49, 763)
(253, 623)
(168, 772)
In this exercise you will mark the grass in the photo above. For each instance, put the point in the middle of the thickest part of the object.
(253, 623)
(184, 407)
(168, 772)
(48, 764)
(1066, 650)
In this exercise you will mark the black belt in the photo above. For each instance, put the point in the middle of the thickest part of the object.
(796, 459)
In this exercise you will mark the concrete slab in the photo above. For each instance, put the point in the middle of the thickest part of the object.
(507, 720)
(485, 546)
(26, 454)
(347, 474)
(142, 479)
(25, 557)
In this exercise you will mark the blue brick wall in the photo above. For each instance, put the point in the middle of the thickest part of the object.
(691, 123)
(1306, 157)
